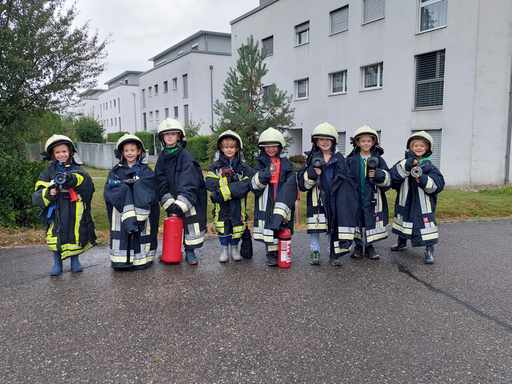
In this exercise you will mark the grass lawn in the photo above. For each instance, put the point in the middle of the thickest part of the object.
(452, 205)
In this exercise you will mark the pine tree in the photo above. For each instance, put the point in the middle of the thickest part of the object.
(250, 108)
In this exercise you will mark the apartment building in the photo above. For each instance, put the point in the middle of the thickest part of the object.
(120, 104)
(444, 66)
(185, 81)
(89, 104)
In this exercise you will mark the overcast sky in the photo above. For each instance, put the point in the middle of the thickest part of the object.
(143, 28)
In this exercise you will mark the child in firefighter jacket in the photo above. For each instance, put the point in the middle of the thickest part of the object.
(132, 206)
(274, 184)
(180, 185)
(65, 191)
(372, 173)
(331, 195)
(228, 182)
(417, 182)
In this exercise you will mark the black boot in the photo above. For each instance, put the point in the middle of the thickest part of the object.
(401, 244)
(429, 254)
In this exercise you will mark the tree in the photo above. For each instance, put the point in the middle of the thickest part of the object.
(251, 108)
(192, 127)
(89, 130)
(44, 61)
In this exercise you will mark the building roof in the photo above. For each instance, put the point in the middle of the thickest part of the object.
(263, 4)
(188, 39)
(124, 74)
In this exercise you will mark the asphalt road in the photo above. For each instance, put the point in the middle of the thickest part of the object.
(395, 320)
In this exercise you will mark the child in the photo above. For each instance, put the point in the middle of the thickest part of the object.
(132, 205)
(65, 190)
(417, 182)
(274, 185)
(371, 170)
(331, 195)
(180, 185)
(228, 182)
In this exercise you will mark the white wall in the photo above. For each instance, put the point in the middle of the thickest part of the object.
(127, 109)
(478, 45)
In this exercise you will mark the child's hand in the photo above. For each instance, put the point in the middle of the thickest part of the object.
(53, 191)
(415, 162)
(318, 171)
(371, 173)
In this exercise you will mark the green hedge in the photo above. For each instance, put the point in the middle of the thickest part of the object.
(114, 136)
(198, 147)
(147, 140)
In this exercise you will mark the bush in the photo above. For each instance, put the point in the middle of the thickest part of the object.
(114, 136)
(198, 147)
(299, 159)
(89, 130)
(18, 180)
(147, 140)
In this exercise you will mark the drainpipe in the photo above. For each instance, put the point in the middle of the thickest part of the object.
(211, 90)
(509, 134)
(135, 111)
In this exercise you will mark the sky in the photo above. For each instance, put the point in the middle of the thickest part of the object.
(140, 29)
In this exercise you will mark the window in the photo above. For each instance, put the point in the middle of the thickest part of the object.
(338, 82)
(185, 85)
(180, 52)
(266, 90)
(115, 121)
(150, 89)
(302, 33)
(175, 112)
(432, 14)
(126, 81)
(119, 124)
(302, 89)
(110, 104)
(150, 120)
(157, 117)
(195, 46)
(111, 122)
(436, 134)
(269, 44)
(372, 76)
(166, 87)
(166, 113)
(145, 122)
(114, 103)
(429, 79)
(156, 89)
(185, 111)
(339, 20)
(175, 83)
(143, 98)
(341, 146)
(118, 105)
(373, 10)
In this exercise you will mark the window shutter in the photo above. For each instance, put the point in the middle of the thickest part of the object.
(342, 138)
(302, 27)
(373, 10)
(269, 43)
(429, 79)
(339, 20)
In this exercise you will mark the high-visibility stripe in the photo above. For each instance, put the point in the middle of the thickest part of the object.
(256, 184)
(308, 182)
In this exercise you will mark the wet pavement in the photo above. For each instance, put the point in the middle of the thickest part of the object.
(395, 320)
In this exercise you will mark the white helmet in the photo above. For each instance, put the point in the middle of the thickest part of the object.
(127, 138)
(170, 125)
(325, 130)
(271, 135)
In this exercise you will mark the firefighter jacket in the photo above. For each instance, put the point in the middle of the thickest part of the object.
(415, 204)
(70, 229)
(133, 212)
(373, 212)
(338, 201)
(270, 214)
(180, 181)
(229, 194)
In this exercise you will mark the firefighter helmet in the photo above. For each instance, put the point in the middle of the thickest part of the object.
(422, 135)
(170, 125)
(365, 130)
(325, 130)
(127, 138)
(55, 140)
(270, 135)
(231, 134)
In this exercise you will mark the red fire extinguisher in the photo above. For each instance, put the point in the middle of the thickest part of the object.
(285, 246)
(173, 238)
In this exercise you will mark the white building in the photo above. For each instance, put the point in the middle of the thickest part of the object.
(89, 104)
(444, 66)
(185, 81)
(120, 104)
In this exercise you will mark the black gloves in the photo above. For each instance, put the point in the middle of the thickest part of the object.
(216, 196)
(409, 155)
(312, 175)
(174, 210)
(71, 181)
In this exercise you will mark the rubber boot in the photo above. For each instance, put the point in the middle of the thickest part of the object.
(401, 244)
(75, 264)
(57, 268)
(429, 254)
(224, 254)
(235, 253)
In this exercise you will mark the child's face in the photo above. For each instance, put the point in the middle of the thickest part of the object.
(272, 149)
(230, 150)
(365, 142)
(324, 144)
(419, 147)
(131, 152)
(61, 153)
(171, 138)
